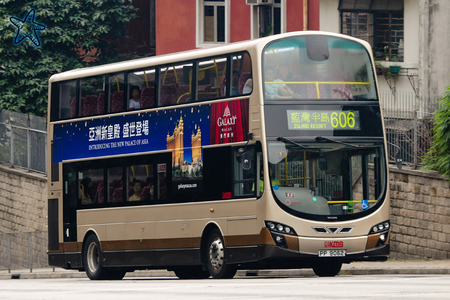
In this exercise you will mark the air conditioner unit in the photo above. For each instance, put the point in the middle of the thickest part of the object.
(258, 2)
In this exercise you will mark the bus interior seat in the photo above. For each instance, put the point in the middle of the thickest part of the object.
(322, 93)
(117, 183)
(94, 188)
(340, 91)
(145, 192)
(168, 95)
(183, 93)
(101, 193)
(89, 105)
(148, 97)
(117, 196)
(117, 101)
(101, 104)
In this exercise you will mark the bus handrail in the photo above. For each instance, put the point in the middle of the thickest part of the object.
(317, 83)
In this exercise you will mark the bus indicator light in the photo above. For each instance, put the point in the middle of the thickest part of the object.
(226, 195)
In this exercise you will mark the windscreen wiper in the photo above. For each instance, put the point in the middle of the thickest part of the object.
(321, 138)
(285, 140)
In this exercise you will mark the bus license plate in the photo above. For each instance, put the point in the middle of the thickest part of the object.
(331, 253)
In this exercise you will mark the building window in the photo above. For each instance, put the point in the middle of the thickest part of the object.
(214, 21)
(141, 33)
(267, 19)
(379, 22)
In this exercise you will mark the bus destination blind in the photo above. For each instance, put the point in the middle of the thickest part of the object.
(323, 120)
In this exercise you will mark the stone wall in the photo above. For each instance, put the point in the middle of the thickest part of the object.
(23, 219)
(420, 217)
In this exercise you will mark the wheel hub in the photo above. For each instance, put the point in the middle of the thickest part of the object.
(92, 257)
(216, 253)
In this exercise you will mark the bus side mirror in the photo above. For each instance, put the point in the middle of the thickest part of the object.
(398, 160)
(246, 161)
(398, 157)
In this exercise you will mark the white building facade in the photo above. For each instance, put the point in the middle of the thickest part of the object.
(414, 32)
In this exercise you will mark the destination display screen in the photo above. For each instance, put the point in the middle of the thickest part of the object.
(323, 120)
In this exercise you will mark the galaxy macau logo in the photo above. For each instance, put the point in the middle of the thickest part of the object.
(27, 28)
(227, 120)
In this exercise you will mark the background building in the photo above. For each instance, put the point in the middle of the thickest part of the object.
(190, 24)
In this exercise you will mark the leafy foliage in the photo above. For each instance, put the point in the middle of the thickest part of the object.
(78, 33)
(438, 157)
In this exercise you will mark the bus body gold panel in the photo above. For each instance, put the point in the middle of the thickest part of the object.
(169, 221)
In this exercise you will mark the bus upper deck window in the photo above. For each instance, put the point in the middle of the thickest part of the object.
(318, 68)
(141, 87)
(92, 96)
(117, 90)
(67, 100)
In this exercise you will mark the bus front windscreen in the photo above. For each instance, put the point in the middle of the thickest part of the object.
(318, 67)
(327, 179)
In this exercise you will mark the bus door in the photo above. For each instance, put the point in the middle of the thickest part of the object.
(70, 205)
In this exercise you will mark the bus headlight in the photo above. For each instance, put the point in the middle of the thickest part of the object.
(378, 235)
(280, 228)
(278, 232)
(379, 228)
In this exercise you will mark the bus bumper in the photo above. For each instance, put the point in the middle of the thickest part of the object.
(275, 257)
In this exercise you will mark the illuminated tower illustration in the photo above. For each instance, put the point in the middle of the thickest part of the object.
(196, 140)
(175, 143)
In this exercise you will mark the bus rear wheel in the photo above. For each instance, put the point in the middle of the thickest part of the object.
(93, 262)
(215, 257)
(327, 268)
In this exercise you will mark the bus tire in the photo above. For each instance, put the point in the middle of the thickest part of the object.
(115, 274)
(327, 268)
(191, 272)
(93, 259)
(215, 257)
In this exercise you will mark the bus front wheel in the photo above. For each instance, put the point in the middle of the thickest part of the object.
(327, 268)
(215, 257)
(191, 272)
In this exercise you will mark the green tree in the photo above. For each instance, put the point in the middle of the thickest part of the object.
(78, 33)
(438, 157)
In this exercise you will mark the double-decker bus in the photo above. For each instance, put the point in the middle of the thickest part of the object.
(262, 154)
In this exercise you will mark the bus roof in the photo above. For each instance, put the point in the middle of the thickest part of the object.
(186, 55)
